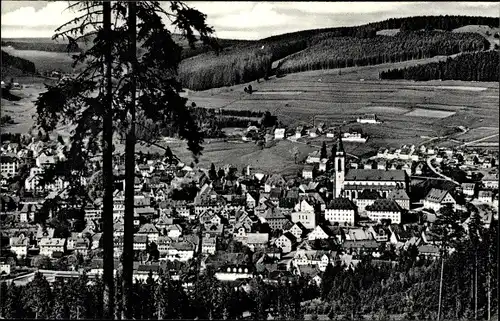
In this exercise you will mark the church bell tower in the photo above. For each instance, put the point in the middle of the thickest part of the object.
(339, 161)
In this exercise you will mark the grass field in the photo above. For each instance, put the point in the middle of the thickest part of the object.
(408, 109)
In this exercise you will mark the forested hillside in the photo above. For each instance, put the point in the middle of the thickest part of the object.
(20, 64)
(322, 51)
(242, 61)
(477, 66)
(235, 65)
(344, 52)
(41, 46)
(333, 48)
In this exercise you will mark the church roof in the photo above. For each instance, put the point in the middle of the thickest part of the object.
(375, 175)
(368, 194)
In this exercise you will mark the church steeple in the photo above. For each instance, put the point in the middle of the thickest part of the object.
(339, 163)
(339, 147)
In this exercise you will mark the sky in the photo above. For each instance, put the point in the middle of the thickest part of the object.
(248, 20)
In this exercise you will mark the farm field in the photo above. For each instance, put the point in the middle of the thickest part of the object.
(276, 159)
(408, 109)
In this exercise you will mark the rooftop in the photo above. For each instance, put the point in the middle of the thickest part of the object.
(375, 175)
(384, 205)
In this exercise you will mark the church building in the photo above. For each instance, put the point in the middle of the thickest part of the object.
(349, 183)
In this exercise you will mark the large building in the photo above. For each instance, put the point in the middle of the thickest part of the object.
(350, 183)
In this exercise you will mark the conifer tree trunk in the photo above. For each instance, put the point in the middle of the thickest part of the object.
(489, 286)
(128, 240)
(475, 286)
(107, 171)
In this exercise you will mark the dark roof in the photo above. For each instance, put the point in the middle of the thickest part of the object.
(398, 194)
(375, 175)
(138, 238)
(341, 204)
(384, 205)
(369, 194)
(436, 195)
(148, 267)
(275, 192)
(273, 213)
(428, 249)
(360, 244)
(290, 236)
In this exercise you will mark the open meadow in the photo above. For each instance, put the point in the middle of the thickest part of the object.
(409, 110)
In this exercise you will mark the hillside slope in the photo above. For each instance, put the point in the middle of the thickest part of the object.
(15, 66)
(244, 63)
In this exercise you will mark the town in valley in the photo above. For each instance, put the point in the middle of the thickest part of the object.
(323, 205)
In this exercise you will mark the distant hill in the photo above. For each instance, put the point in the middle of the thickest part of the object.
(242, 61)
(15, 66)
(334, 48)
(475, 66)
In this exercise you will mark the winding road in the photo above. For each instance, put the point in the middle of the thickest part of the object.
(429, 160)
(478, 140)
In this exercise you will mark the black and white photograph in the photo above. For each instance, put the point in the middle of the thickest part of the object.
(249, 160)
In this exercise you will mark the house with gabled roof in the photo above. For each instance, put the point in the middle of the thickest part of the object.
(174, 231)
(251, 200)
(163, 222)
(214, 229)
(279, 133)
(275, 218)
(399, 234)
(365, 198)
(150, 231)
(308, 219)
(320, 232)
(256, 240)
(19, 245)
(438, 198)
(429, 251)
(180, 251)
(140, 242)
(361, 247)
(298, 230)
(380, 233)
(209, 244)
(401, 197)
(384, 209)
(241, 230)
(286, 242)
(275, 180)
(308, 171)
(341, 210)
(49, 245)
(358, 234)
(163, 244)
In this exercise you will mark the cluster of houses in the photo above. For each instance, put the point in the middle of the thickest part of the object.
(293, 226)
(252, 133)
